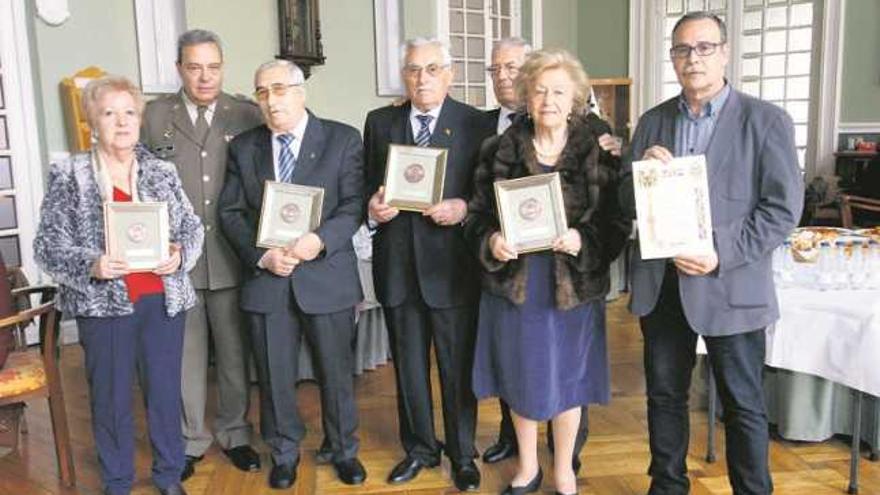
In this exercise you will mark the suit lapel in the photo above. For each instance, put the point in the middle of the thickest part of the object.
(310, 149)
(725, 129)
(220, 120)
(264, 164)
(446, 122)
(182, 122)
(667, 126)
(400, 130)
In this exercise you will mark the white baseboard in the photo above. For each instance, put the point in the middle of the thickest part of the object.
(852, 127)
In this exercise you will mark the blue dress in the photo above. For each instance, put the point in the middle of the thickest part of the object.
(541, 360)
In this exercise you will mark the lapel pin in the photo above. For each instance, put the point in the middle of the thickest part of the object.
(228, 137)
(448, 131)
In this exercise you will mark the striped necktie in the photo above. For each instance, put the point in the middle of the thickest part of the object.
(286, 160)
(424, 135)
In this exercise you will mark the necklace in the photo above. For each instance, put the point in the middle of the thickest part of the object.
(552, 152)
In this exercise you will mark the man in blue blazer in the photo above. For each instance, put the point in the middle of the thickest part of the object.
(727, 296)
(310, 288)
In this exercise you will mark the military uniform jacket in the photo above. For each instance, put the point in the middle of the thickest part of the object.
(168, 131)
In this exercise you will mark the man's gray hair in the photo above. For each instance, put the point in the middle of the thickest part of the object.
(511, 42)
(197, 37)
(698, 16)
(420, 41)
(296, 74)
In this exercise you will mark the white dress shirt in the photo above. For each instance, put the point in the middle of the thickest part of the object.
(504, 120)
(416, 125)
(193, 110)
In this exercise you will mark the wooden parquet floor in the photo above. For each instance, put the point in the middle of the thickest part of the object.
(615, 458)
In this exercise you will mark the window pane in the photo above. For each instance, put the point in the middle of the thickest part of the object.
(802, 153)
(800, 135)
(457, 92)
(798, 88)
(458, 69)
(476, 48)
(456, 46)
(694, 5)
(5, 172)
(752, 20)
(754, 3)
(799, 110)
(752, 88)
(477, 96)
(2, 99)
(751, 43)
(773, 89)
(798, 64)
(7, 213)
(717, 4)
(475, 4)
(4, 139)
(774, 41)
(801, 14)
(774, 65)
(455, 3)
(751, 67)
(476, 72)
(776, 17)
(800, 39)
(10, 250)
(670, 23)
(456, 22)
(505, 7)
(673, 6)
(505, 28)
(475, 24)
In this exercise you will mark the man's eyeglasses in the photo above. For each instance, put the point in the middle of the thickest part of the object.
(433, 70)
(511, 68)
(703, 49)
(277, 89)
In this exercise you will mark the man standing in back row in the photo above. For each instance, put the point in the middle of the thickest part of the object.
(192, 129)
(425, 278)
(727, 296)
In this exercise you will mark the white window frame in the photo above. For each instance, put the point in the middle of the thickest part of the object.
(159, 23)
(646, 59)
(442, 17)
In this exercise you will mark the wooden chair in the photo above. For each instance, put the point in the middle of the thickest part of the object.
(849, 202)
(30, 374)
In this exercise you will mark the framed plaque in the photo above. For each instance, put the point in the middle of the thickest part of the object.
(137, 233)
(414, 177)
(289, 211)
(672, 207)
(531, 211)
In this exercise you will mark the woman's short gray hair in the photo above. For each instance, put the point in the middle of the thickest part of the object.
(197, 37)
(539, 61)
(420, 41)
(97, 88)
(296, 74)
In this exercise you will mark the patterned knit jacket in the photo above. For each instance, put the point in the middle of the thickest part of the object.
(70, 236)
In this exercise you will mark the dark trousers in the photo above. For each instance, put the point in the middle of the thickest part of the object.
(508, 434)
(412, 327)
(276, 341)
(115, 348)
(737, 362)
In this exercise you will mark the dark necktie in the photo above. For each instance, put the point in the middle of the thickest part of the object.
(201, 123)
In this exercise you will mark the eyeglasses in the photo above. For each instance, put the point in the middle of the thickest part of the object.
(511, 68)
(277, 89)
(433, 70)
(703, 49)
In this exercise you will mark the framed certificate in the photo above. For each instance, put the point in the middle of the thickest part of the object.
(289, 211)
(672, 207)
(414, 177)
(137, 233)
(531, 211)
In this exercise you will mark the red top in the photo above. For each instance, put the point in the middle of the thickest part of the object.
(142, 283)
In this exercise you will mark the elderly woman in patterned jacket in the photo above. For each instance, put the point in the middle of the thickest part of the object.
(126, 320)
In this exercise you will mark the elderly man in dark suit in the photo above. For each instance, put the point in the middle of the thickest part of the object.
(310, 288)
(425, 278)
(192, 129)
(727, 296)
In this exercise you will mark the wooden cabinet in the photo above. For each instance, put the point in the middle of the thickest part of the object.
(79, 134)
(613, 99)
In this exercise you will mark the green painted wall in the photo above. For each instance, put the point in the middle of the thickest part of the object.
(560, 24)
(860, 75)
(603, 37)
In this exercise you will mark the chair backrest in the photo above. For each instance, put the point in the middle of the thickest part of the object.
(849, 202)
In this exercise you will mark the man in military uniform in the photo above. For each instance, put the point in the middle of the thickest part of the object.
(192, 129)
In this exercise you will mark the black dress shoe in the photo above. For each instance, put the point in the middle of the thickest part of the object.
(244, 457)
(283, 475)
(531, 487)
(500, 450)
(172, 490)
(408, 469)
(466, 477)
(350, 471)
(189, 467)
(324, 455)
